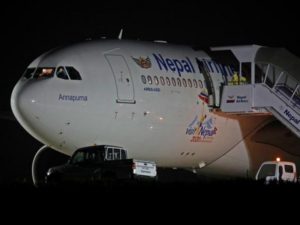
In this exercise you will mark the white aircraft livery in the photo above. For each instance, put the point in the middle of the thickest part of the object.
(166, 103)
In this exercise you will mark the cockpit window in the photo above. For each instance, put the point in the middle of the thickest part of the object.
(44, 72)
(29, 73)
(61, 73)
(73, 73)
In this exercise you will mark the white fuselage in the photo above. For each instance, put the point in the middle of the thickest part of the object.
(170, 124)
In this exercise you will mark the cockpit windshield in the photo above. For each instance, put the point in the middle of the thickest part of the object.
(73, 73)
(61, 72)
(44, 72)
(29, 73)
(67, 73)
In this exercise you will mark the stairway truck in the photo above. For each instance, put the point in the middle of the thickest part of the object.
(277, 171)
(100, 163)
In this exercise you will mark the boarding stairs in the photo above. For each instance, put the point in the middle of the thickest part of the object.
(273, 87)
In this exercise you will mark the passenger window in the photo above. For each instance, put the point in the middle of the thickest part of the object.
(179, 82)
(288, 168)
(91, 157)
(149, 78)
(162, 81)
(61, 73)
(156, 80)
(144, 81)
(173, 81)
(189, 82)
(168, 81)
(195, 83)
(73, 73)
(184, 82)
(200, 84)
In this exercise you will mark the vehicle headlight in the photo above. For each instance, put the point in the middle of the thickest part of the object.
(49, 172)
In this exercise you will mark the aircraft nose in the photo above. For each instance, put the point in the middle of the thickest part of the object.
(26, 105)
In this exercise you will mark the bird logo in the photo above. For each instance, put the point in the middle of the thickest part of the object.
(144, 63)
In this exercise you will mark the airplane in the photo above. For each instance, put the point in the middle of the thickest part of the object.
(160, 102)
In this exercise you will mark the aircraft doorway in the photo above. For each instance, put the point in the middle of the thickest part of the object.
(208, 82)
(123, 79)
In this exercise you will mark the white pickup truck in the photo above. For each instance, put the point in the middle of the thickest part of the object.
(277, 171)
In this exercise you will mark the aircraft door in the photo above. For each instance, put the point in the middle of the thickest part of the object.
(123, 79)
(208, 82)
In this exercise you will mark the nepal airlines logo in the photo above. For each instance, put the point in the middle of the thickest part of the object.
(144, 63)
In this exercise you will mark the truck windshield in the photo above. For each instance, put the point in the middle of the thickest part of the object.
(267, 170)
(87, 157)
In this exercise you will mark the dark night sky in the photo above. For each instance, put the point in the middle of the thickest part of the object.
(30, 28)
